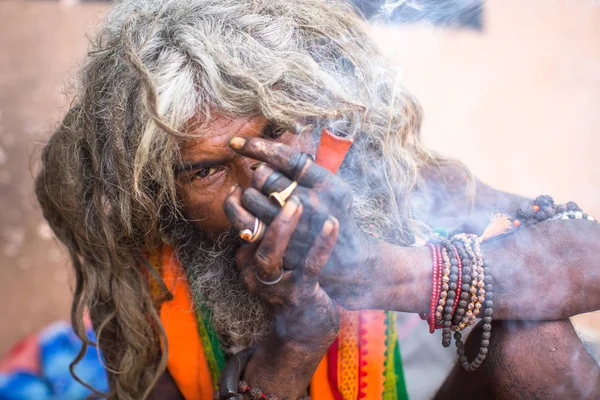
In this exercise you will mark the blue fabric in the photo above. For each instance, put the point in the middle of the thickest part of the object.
(58, 348)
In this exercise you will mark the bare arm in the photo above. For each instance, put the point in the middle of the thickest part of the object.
(545, 272)
(549, 271)
(538, 269)
(362, 273)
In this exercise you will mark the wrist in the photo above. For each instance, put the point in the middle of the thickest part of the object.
(284, 368)
(313, 322)
(402, 279)
(294, 333)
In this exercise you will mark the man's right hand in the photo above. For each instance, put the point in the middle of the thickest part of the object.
(302, 310)
(305, 319)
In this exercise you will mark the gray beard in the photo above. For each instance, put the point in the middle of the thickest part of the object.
(238, 317)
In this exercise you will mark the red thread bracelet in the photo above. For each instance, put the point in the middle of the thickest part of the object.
(438, 289)
(433, 274)
(434, 280)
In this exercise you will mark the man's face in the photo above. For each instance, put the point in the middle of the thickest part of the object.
(211, 167)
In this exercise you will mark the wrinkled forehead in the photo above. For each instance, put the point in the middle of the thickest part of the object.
(207, 136)
(221, 126)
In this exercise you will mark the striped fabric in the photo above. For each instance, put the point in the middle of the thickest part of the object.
(363, 363)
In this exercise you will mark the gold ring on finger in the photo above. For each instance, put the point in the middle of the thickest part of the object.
(281, 197)
(252, 236)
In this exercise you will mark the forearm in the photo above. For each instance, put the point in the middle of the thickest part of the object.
(285, 360)
(402, 280)
(547, 272)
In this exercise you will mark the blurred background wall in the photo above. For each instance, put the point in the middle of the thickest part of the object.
(518, 101)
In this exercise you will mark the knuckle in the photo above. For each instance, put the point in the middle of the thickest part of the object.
(263, 258)
(313, 263)
(311, 199)
(311, 268)
(316, 171)
(321, 246)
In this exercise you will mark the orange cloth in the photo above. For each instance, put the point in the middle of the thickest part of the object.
(186, 361)
(188, 366)
(373, 354)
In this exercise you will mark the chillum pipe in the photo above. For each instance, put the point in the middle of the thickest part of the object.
(232, 374)
(332, 150)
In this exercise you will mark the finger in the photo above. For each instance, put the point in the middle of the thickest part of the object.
(296, 165)
(322, 247)
(269, 254)
(267, 180)
(258, 204)
(240, 218)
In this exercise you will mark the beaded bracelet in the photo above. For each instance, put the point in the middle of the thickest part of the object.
(231, 387)
(471, 245)
(462, 283)
(459, 282)
(453, 293)
(257, 394)
(459, 290)
(436, 277)
(465, 285)
(543, 209)
(444, 287)
(254, 393)
(485, 336)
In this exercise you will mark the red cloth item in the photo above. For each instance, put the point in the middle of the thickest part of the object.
(24, 356)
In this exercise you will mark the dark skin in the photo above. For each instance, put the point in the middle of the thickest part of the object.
(203, 192)
(221, 190)
(527, 360)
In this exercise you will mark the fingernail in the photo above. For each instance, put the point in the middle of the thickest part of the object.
(231, 189)
(254, 167)
(329, 225)
(237, 142)
(290, 207)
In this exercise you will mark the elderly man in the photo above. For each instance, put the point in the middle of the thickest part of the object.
(192, 117)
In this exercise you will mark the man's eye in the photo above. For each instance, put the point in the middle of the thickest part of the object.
(204, 172)
(273, 131)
